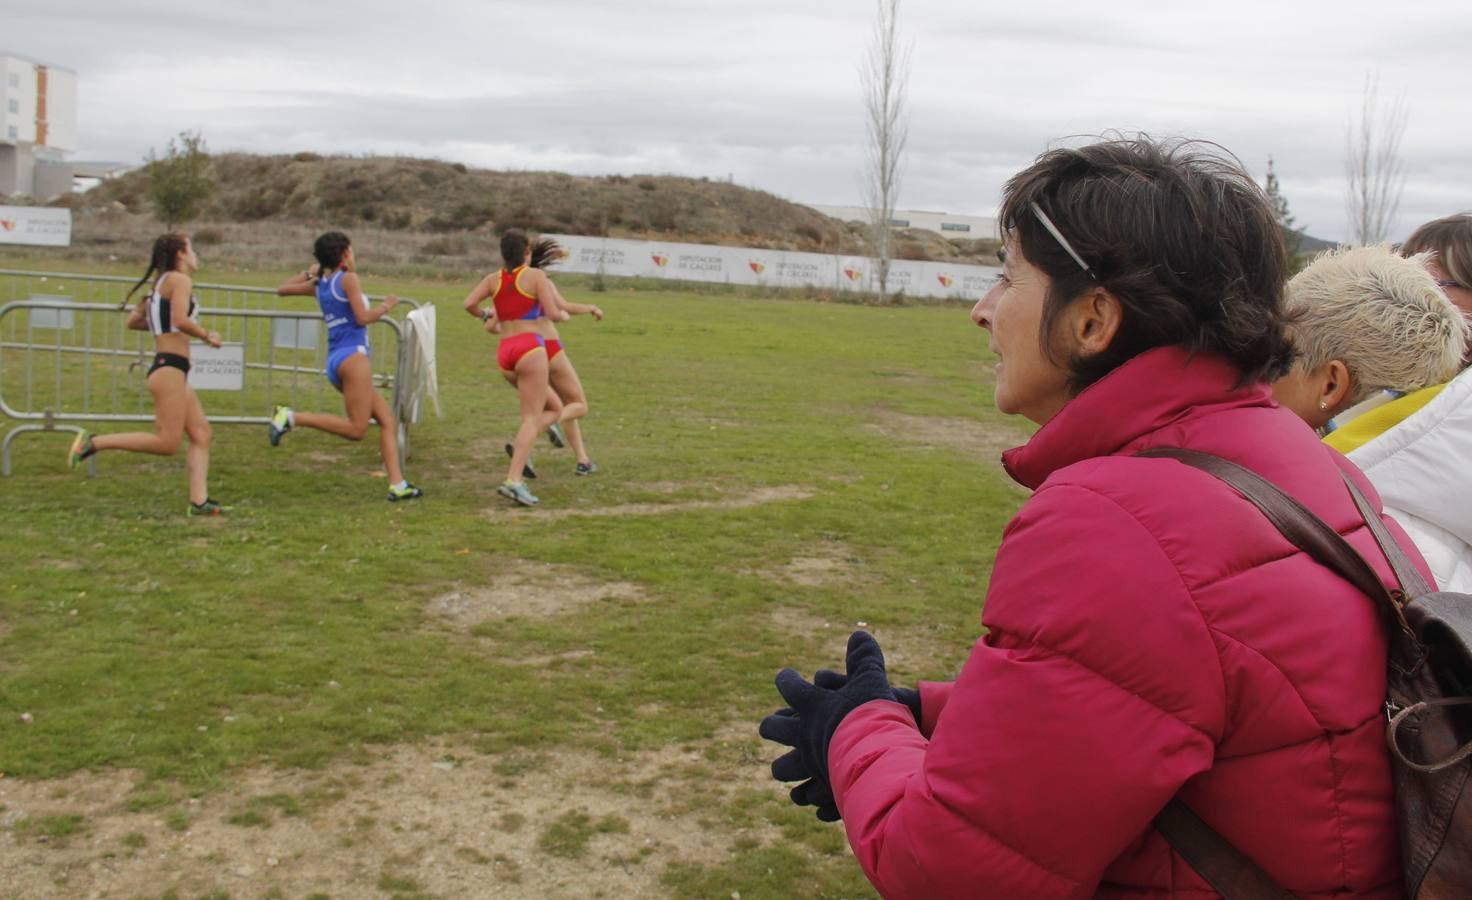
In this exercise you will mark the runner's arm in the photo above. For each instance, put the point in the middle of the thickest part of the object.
(362, 313)
(179, 311)
(546, 293)
(576, 309)
(302, 284)
(480, 294)
(138, 316)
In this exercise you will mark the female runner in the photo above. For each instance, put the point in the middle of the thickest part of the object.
(561, 374)
(563, 377)
(168, 312)
(522, 298)
(334, 282)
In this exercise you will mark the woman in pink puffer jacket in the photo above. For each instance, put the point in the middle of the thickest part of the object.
(1150, 634)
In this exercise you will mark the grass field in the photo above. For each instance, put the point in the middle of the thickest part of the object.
(326, 694)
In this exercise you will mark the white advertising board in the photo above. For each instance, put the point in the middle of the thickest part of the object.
(39, 226)
(57, 319)
(217, 369)
(767, 268)
(295, 334)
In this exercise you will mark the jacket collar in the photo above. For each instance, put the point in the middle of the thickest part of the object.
(1366, 421)
(1119, 412)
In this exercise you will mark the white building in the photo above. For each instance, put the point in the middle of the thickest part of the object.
(38, 125)
(952, 226)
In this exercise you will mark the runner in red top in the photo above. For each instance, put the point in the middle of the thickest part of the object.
(560, 372)
(521, 297)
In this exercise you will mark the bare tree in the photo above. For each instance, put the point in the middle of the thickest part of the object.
(885, 75)
(1373, 164)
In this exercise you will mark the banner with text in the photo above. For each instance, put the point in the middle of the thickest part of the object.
(35, 225)
(217, 368)
(768, 268)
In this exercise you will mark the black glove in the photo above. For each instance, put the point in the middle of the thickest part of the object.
(815, 712)
(814, 791)
(827, 678)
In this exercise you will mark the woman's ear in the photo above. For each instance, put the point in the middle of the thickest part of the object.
(1094, 320)
(1337, 390)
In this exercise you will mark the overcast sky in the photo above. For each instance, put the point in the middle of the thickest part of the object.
(767, 91)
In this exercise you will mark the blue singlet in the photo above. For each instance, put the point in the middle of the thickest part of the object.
(345, 336)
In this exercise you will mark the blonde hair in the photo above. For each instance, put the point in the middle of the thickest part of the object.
(1381, 314)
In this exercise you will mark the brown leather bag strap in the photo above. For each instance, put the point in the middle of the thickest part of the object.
(1411, 581)
(1214, 858)
(1302, 528)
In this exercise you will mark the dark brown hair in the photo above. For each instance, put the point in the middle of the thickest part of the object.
(513, 247)
(329, 250)
(1176, 231)
(545, 252)
(1450, 238)
(166, 250)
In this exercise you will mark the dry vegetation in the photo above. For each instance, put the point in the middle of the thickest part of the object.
(439, 214)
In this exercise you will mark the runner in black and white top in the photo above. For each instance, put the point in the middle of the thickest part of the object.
(168, 313)
(159, 310)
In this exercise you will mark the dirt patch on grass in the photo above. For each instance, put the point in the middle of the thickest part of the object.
(979, 440)
(547, 659)
(814, 571)
(437, 819)
(799, 620)
(905, 377)
(744, 499)
(827, 565)
(911, 652)
(525, 589)
(929, 652)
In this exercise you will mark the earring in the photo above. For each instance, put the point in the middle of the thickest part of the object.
(1323, 405)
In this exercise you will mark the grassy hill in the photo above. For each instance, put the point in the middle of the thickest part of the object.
(444, 209)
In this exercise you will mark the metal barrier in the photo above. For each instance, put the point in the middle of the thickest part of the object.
(64, 357)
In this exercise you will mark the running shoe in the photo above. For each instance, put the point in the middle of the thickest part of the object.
(407, 492)
(280, 424)
(517, 491)
(526, 468)
(210, 507)
(587, 468)
(81, 449)
(554, 434)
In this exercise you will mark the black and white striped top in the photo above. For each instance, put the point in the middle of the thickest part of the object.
(161, 311)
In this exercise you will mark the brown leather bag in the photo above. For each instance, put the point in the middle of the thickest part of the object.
(1428, 704)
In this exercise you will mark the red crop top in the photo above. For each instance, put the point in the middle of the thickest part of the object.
(511, 301)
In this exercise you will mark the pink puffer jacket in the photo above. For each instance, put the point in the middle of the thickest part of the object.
(1150, 633)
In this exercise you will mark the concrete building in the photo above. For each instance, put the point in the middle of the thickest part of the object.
(38, 126)
(951, 226)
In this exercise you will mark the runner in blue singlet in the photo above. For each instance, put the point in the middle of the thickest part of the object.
(334, 282)
(345, 336)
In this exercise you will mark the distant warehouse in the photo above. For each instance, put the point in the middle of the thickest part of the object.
(952, 226)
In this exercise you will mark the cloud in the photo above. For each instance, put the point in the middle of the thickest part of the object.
(766, 92)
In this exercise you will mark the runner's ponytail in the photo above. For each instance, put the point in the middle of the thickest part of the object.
(166, 250)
